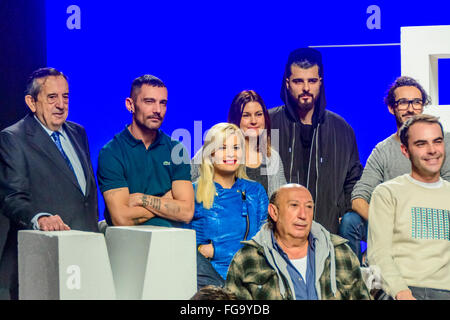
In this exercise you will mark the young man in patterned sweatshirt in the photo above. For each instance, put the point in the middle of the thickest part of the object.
(405, 98)
(409, 218)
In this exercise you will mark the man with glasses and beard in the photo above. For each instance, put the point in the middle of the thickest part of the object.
(405, 98)
(318, 147)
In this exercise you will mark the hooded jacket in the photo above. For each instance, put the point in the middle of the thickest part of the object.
(259, 272)
(333, 165)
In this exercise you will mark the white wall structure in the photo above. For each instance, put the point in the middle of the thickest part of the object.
(141, 262)
(64, 265)
(153, 263)
(421, 49)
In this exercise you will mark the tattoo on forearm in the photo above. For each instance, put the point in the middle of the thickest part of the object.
(144, 201)
(172, 208)
(152, 202)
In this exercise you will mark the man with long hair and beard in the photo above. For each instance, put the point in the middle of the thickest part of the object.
(318, 147)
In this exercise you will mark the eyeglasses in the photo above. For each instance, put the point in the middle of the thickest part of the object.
(403, 104)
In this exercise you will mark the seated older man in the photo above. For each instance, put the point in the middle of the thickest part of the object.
(293, 257)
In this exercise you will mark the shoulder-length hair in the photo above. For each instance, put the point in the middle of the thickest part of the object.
(215, 138)
(237, 108)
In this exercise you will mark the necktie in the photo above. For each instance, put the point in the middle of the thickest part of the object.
(56, 138)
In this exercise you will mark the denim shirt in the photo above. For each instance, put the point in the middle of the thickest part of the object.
(304, 290)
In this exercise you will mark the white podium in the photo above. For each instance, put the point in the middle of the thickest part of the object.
(153, 263)
(64, 265)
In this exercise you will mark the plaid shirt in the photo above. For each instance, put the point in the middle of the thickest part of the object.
(251, 277)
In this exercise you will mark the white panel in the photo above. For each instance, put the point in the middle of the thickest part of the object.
(150, 262)
(64, 265)
(421, 47)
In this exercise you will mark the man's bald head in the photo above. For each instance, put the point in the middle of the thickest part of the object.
(275, 195)
(278, 196)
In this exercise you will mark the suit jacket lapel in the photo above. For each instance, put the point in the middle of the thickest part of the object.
(82, 155)
(42, 142)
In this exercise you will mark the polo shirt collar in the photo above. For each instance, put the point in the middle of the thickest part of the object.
(132, 141)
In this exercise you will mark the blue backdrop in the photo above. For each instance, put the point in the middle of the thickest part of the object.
(208, 51)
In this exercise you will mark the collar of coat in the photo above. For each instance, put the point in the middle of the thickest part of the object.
(324, 248)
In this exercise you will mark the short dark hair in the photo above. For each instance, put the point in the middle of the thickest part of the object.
(419, 118)
(237, 108)
(211, 292)
(147, 79)
(405, 81)
(272, 200)
(304, 58)
(34, 86)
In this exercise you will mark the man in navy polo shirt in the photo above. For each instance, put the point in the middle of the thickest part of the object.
(141, 181)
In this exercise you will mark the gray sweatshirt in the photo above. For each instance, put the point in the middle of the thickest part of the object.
(387, 162)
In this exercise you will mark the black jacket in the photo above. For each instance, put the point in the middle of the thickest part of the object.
(334, 165)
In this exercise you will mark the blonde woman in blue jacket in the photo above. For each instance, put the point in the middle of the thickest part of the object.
(229, 208)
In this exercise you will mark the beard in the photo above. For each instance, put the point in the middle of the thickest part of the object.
(145, 123)
(302, 107)
(399, 119)
(305, 107)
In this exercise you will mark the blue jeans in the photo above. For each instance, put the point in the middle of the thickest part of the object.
(354, 228)
(206, 274)
(429, 294)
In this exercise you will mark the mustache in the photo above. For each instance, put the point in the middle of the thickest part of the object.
(157, 117)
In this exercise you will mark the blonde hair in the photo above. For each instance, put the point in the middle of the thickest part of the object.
(206, 188)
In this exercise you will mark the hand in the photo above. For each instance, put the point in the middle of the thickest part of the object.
(135, 200)
(207, 250)
(52, 223)
(404, 295)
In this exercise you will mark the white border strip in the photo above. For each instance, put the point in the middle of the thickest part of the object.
(356, 45)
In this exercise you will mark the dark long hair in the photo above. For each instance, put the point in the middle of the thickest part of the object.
(237, 108)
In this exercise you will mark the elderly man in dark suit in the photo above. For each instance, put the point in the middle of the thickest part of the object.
(46, 176)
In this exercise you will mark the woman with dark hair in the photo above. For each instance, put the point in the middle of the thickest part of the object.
(262, 162)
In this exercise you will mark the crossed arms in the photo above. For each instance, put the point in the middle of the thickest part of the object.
(133, 209)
